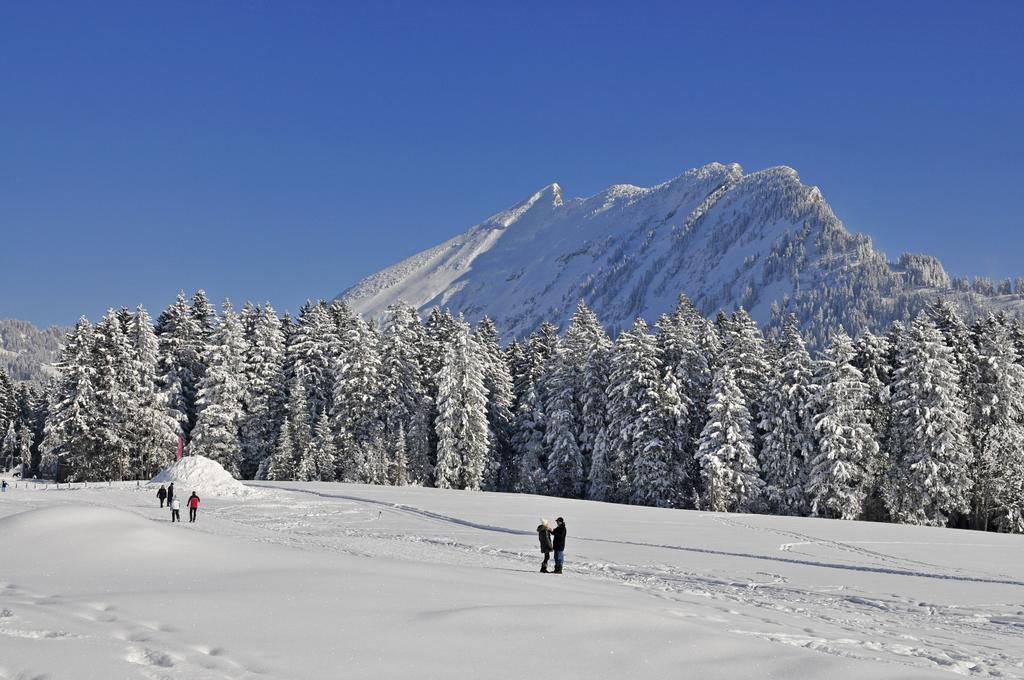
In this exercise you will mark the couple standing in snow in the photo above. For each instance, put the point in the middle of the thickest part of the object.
(547, 545)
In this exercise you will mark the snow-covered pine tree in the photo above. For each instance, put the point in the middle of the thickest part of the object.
(374, 464)
(930, 479)
(263, 397)
(725, 451)
(310, 357)
(659, 474)
(498, 383)
(528, 375)
(599, 477)
(67, 440)
(461, 424)
(281, 465)
(743, 350)
(634, 371)
(565, 461)
(689, 347)
(787, 434)
(399, 464)
(588, 351)
(439, 330)
(217, 432)
(180, 366)
(115, 382)
(998, 469)
(203, 314)
(844, 443)
(155, 429)
(404, 399)
(958, 338)
(8, 406)
(870, 352)
(355, 415)
(646, 416)
(300, 430)
(23, 454)
(322, 454)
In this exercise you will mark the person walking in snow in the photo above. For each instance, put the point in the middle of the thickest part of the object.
(559, 545)
(193, 506)
(162, 495)
(170, 493)
(175, 506)
(3, 487)
(544, 534)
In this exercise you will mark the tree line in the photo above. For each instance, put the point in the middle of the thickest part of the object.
(920, 425)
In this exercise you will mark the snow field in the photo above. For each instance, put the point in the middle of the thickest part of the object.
(316, 580)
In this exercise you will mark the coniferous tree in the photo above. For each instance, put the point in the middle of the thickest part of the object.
(405, 402)
(355, 415)
(588, 345)
(530, 457)
(311, 353)
(743, 350)
(115, 383)
(203, 314)
(399, 466)
(221, 394)
(180, 367)
(8, 405)
(998, 470)
(280, 466)
(498, 383)
(300, 429)
(461, 424)
(322, 456)
(637, 423)
(787, 439)
(870, 358)
(565, 461)
(689, 346)
(263, 397)
(67, 442)
(844, 443)
(155, 429)
(725, 452)
(930, 478)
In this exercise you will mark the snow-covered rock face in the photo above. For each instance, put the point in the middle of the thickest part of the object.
(202, 475)
(723, 237)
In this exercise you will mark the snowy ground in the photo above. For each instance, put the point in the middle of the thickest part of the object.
(349, 581)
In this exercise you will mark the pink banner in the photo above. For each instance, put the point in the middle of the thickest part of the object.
(181, 447)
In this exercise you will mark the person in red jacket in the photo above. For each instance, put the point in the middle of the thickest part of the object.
(193, 506)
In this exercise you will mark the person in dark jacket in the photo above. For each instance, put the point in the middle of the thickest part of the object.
(559, 545)
(162, 495)
(193, 506)
(170, 493)
(544, 534)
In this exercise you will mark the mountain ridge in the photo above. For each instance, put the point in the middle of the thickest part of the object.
(764, 240)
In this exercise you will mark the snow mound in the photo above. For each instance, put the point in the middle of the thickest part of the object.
(200, 474)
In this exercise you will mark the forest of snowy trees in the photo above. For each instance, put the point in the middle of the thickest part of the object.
(922, 425)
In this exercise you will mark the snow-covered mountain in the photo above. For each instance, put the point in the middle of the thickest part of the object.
(763, 240)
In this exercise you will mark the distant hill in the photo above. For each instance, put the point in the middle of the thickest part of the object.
(27, 352)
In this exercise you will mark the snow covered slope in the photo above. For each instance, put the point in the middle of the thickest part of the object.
(314, 580)
(723, 237)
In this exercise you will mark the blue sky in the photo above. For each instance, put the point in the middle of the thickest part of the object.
(284, 150)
